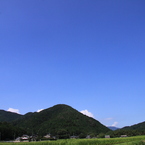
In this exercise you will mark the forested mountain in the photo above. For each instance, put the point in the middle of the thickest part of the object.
(60, 120)
(139, 126)
(8, 116)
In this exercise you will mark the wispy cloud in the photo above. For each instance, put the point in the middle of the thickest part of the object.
(114, 124)
(87, 113)
(108, 119)
(13, 110)
(40, 110)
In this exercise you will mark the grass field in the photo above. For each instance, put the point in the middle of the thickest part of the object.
(138, 140)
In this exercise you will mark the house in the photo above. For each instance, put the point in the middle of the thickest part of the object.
(47, 136)
(88, 136)
(25, 138)
(123, 136)
(107, 136)
(74, 137)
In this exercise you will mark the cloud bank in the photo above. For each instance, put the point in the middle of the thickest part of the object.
(13, 110)
(87, 113)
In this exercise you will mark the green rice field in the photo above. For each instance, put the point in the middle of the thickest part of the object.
(138, 140)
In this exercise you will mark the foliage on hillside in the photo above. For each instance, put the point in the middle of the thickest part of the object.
(118, 133)
(139, 126)
(61, 120)
(9, 132)
(8, 116)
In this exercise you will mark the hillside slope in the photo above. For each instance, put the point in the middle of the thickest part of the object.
(60, 119)
(139, 126)
(6, 116)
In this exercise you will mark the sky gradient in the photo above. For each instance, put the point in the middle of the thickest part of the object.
(89, 54)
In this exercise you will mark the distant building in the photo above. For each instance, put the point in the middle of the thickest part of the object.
(47, 136)
(88, 136)
(107, 136)
(74, 137)
(123, 136)
(25, 138)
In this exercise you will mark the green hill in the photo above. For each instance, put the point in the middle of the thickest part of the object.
(139, 126)
(60, 120)
(6, 116)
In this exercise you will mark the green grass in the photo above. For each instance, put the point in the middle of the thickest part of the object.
(133, 143)
(112, 141)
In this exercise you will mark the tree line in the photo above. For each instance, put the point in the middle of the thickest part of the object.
(10, 132)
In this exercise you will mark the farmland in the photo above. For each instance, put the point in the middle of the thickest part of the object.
(138, 140)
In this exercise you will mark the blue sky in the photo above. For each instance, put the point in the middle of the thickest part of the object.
(89, 54)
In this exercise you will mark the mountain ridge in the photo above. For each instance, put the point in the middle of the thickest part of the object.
(113, 128)
(138, 126)
(8, 116)
(60, 119)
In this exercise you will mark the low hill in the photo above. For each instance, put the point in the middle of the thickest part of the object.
(139, 126)
(113, 127)
(6, 116)
(60, 120)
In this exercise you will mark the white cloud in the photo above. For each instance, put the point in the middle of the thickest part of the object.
(13, 110)
(108, 119)
(87, 113)
(114, 124)
(40, 110)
